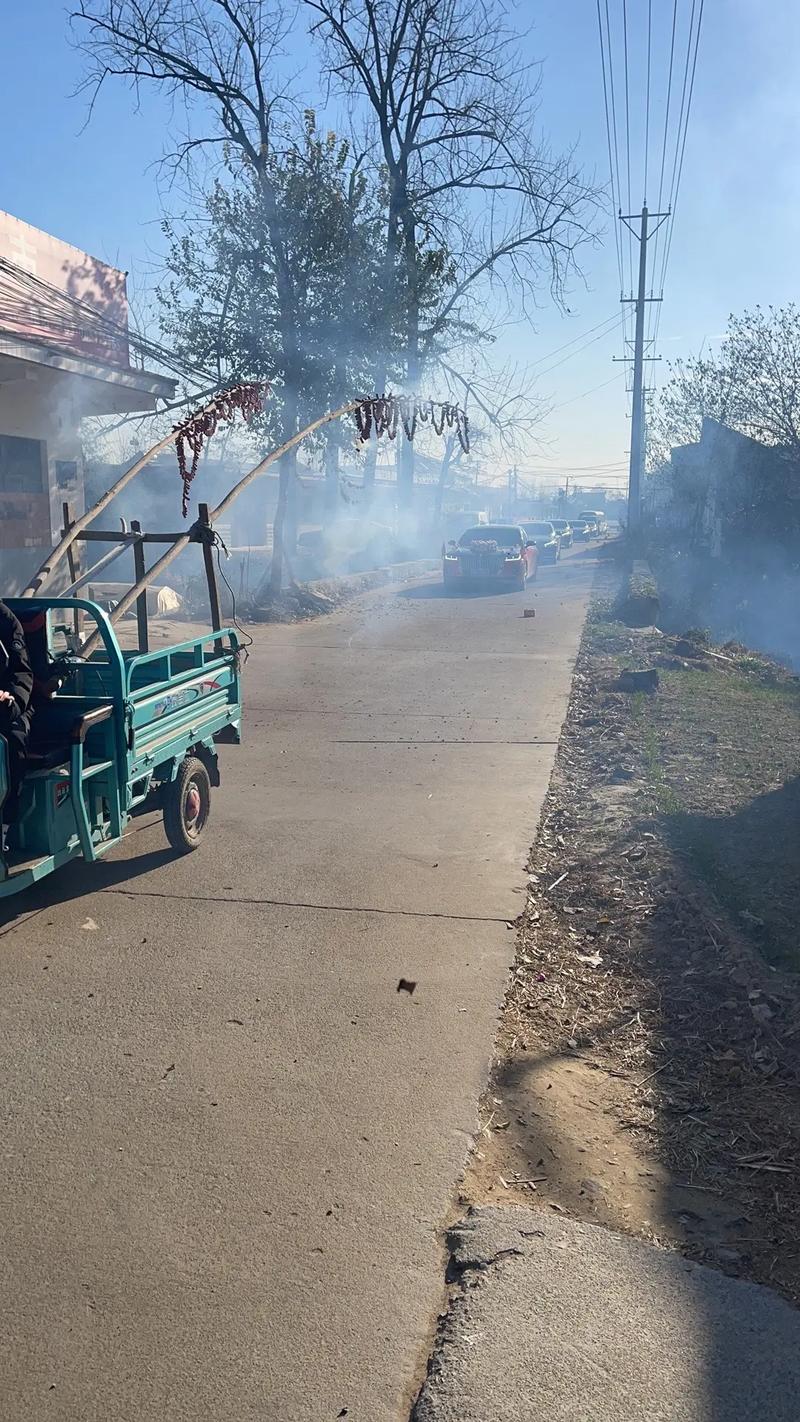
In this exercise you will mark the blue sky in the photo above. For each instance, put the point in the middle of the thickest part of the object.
(737, 230)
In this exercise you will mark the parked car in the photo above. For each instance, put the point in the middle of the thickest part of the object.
(490, 553)
(581, 530)
(564, 530)
(546, 540)
(589, 517)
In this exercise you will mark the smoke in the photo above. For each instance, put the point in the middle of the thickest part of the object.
(752, 601)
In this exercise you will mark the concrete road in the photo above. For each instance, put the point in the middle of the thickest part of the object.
(572, 1323)
(229, 1144)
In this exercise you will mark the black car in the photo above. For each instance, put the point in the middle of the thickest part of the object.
(546, 540)
(564, 530)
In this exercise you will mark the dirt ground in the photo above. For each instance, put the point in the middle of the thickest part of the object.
(647, 1071)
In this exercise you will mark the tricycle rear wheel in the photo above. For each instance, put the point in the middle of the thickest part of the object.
(187, 805)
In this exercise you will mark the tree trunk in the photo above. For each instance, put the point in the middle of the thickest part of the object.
(285, 477)
(370, 466)
(371, 460)
(405, 471)
(285, 527)
(444, 470)
(331, 472)
(405, 468)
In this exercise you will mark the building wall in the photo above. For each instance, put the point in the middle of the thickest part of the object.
(42, 405)
(42, 266)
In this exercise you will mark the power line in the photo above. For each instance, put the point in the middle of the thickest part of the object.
(609, 320)
(680, 144)
(616, 322)
(611, 132)
(27, 300)
(627, 121)
(647, 95)
(674, 196)
(614, 202)
(583, 395)
(667, 108)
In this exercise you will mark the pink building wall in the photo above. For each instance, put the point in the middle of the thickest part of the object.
(36, 314)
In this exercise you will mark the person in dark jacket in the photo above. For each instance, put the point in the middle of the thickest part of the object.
(16, 687)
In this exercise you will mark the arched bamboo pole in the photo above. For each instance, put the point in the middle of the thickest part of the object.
(166, 558)
(45, 572)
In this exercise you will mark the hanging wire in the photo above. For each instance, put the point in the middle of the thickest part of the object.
(614, 167)
(676, 190)
(680, 146)
(647, 93)
(656, 311)
(32, 306)
(610, 326)
(611, 165)
(627, 127)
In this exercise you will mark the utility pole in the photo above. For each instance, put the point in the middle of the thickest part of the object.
(636, 470)
(637, 415)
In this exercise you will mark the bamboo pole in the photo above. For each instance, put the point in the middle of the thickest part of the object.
(164, 561)
(110, 557)
(45, 572)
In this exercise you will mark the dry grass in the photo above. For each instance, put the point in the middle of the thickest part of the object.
(664, 877)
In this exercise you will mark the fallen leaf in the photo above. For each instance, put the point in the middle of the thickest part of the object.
(89, 926)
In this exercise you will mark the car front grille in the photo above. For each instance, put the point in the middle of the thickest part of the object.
(481, 565)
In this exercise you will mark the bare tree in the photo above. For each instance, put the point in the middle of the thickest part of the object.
(504, 413)
(220, 53)
(469, 186)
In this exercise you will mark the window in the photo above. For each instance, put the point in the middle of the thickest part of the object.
(22, 465)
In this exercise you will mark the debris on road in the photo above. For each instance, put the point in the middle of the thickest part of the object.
(406, 985)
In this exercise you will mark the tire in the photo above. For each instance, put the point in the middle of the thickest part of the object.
(187, 805)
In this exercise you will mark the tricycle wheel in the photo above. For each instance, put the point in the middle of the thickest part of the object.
(187, 805)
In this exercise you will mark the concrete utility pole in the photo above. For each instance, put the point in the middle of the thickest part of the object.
(637, 414)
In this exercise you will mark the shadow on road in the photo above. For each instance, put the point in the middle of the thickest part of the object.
(561, 1112)
(79, 880)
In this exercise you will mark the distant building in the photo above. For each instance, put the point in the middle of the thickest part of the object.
(64, 355)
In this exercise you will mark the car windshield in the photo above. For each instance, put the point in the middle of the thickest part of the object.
(559, 523)
(487, 533)
(536, 530)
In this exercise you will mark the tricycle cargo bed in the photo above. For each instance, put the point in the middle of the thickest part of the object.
(120, 726)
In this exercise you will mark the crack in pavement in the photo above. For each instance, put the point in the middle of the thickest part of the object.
(301, 904)
(378, 742)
